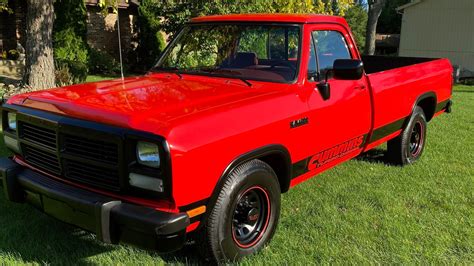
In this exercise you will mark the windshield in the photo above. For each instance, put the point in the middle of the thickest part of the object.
(243, 51)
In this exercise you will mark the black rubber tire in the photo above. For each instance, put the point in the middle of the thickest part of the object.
(216, 241)
(398, 149)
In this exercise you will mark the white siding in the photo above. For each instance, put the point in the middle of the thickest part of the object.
(440, 28)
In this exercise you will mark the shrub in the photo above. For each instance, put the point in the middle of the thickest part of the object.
(6, 91)
(71, 14)
(102, 63)
(151, 42)
(70, 47)
(71, 51)
(468, 81)
(63, 75)
(70, 72)
(13, 55)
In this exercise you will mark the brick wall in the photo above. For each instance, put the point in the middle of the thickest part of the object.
(102, 31)
(12, 26)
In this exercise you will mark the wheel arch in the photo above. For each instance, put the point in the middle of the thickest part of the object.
(275, 155)
(427, 102)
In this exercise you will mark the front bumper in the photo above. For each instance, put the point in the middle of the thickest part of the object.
(111, 220)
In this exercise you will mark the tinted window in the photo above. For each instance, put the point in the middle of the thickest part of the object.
(260, 52)
(277, 43)
(254, 40)
(330, 46)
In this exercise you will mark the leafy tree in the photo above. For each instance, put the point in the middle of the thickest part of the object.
(175, 14)
(375, 9)
(71, 14)
(4, 6)
(390, 20)
(356, 17)
(39, 64)
(151, 42)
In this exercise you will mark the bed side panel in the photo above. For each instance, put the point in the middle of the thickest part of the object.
(396, 91)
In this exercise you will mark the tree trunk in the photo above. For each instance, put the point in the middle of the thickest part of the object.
(39, 65)
(375, 9)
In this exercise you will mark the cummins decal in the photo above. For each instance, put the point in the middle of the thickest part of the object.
(326, 156)
(335, 152)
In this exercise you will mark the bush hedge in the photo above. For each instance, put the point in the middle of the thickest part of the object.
(71, 52)
(151, 40)
(102, 63)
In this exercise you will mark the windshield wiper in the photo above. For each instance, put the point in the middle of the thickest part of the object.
(246, 82)
(229, 71)
(173, 70)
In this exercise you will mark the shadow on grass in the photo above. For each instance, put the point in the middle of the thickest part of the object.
(189, 254)
(465, 90)
(28, 235)
(374, 156)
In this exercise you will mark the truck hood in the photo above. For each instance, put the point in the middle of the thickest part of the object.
(141, 102)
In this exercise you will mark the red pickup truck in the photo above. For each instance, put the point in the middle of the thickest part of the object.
(238, 109)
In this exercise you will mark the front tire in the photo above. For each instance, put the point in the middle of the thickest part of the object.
(246, 213)
(408, 147)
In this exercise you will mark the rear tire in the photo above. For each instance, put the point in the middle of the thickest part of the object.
(408, 147)
(245, 215)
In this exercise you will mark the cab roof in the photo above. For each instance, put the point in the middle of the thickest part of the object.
(286, 18)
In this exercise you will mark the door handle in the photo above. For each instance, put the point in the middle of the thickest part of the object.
(360, 87)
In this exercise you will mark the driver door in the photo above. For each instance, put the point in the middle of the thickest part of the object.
(340, 124)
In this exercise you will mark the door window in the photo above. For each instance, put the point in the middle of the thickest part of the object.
(330, 45)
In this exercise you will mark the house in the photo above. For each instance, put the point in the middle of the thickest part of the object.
(439, 28)
(101, 30)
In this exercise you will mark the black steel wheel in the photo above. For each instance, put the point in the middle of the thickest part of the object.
(417, 139)
(408, 147)
(251, 216)
(245, 215)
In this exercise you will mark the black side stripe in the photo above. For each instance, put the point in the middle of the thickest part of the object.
(386, 130)
(442, 106)
(302, 167)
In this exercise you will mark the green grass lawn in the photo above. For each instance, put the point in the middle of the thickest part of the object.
(362, 212)
(95, 78)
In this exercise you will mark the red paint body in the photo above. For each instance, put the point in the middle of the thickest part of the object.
(209, 122)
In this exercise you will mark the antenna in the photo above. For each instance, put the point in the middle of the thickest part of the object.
(119, 40)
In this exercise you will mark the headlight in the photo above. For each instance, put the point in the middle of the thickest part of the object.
(148, 154)
(12, 121)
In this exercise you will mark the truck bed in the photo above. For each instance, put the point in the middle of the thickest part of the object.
(373, 64)
(397, 83)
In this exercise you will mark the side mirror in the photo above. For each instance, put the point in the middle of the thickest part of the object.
(348, 69)
(324, 89)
